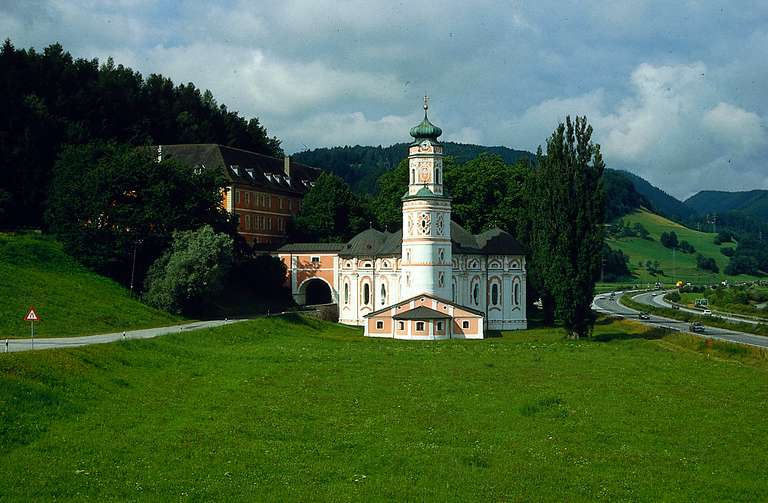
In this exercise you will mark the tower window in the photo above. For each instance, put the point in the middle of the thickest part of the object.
(516, 290)
(383, 294)
(346, 293)
(366, 294)
(437, 176)
(476, 294)
(494, 294)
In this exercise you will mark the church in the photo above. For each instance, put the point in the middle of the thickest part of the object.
(431, 280)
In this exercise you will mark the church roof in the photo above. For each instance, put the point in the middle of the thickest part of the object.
(423, 193)
(422, 295)
(372, 242)
(421, 313)
(425, 130)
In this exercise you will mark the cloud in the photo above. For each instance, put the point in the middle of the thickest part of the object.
(677, 97)
(671, 129)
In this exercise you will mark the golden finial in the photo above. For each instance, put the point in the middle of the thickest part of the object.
(426, 102)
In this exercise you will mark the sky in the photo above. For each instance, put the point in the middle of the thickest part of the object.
(676, 91)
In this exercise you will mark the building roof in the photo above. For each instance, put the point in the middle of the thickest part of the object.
(430, 296)
(425, 130)
(311, 247)
(424, 193)
(245, 167)
(375, 243)
(421, 313)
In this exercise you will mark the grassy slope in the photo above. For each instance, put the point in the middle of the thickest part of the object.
(684, 264)
(289, 409)
(70, 300)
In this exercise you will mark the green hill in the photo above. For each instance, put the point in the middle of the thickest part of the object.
(70, 300)
(753, 202)
(661, 202)
(291, 409)
(681, 266)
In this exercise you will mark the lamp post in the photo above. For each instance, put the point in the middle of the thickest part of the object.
(133, 262)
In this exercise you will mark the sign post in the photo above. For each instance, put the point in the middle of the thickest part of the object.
(32, 317)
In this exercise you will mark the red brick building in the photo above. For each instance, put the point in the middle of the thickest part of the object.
(264, 192)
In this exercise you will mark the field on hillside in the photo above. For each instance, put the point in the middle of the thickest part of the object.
(70, 300)
(680, 267)
(292, 409)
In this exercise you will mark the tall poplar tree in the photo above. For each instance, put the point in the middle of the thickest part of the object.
(566, 208)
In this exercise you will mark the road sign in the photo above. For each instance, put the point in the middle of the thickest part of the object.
(31, 315)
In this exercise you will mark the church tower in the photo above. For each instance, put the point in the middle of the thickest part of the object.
(426, 250)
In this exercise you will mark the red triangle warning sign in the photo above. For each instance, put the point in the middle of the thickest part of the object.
(31, 315)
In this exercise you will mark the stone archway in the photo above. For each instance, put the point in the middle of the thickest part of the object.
(314, 291)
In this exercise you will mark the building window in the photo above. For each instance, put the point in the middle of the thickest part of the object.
(247, 222)
(419, 326)
(465, 324)
(379, 325)
(476, 294)
(366, 294)
(237, 196)
(346, 293)
(516, 291)
(383, 294)
(437, 177)
(315, 260)
(441, 253)
(495, 294)
(453, 291)
(440, 280)
(439, 325)
(247, 198)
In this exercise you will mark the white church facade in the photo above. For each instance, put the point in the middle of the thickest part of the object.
(430, 280)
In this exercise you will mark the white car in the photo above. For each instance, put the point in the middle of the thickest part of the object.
(707, 312)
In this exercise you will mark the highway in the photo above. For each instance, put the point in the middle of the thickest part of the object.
(603, 303)
(656, 299)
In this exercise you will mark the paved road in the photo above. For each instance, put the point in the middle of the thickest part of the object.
(13, 345)
(604, 304)
(656, 299)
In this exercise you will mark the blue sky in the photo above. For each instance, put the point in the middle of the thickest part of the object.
(676, 91)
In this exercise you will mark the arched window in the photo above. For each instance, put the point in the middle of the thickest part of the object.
(441, 254)
(476, 294)
(437, 176)
(495, 294)
(346, 293)
(366, 294)
(440, 280)
(413, 176)
(383, 294)
(516, 291)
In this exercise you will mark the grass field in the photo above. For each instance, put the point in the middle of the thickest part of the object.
(680, 267)
(288, 409)
(70, 300)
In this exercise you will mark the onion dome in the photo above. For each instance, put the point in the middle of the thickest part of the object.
(426, 130)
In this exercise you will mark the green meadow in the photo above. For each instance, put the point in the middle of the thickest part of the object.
(70, 300)
(288, 408)
(681, 266)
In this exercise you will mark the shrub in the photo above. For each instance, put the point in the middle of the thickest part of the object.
(191, 269)
(673, 297)
(727, 251)
(669, 239)
(706, 263)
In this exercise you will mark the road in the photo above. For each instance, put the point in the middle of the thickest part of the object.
(656, 299)
(604, 304)
(14, 345)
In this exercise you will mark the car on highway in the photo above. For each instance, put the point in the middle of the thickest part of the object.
(696, 326)
(707, 312)
(644, 316)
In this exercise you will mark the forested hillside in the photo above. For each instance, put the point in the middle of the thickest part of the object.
(361, 166)
(752, 203)
(660, 201)
(49, 99)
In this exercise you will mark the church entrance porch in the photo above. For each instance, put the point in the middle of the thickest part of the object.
(425, 317)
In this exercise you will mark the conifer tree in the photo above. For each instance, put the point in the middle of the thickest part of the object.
(566, 210)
